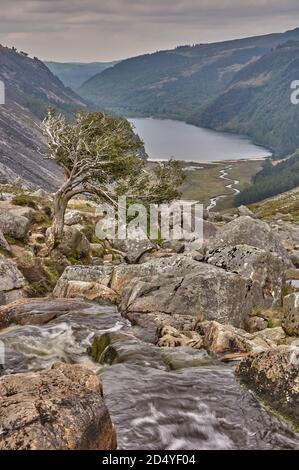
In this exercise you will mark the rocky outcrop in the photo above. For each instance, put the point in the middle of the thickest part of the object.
(13, 225)
(274, 376)
(12, 281)
(206, 290)
(290, 319)
(74, 243)
(261, 266)
(57, 409)
(133, 247)
(40, 311)
(248, 231)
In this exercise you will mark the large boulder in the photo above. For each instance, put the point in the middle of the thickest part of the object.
(13, 225)
(134, 246)
(174, 265)
(274, 376)
(74, 243)
(57, 409)
(89, 282)
(204, 290)
(256, 264)
(12, 281)
(290, 319)
(248, 231)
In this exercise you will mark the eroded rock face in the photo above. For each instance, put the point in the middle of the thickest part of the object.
(11, 281)
(57, 409)
(206, 290)
(13, 225)
(248, 231)
(256, 264)
(290, 320)
(274, 376)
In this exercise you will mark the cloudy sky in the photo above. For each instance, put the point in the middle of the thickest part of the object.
(92, 30)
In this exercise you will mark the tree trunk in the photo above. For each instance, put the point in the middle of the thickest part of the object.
(60, 204)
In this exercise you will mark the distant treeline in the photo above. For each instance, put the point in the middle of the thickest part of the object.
(271, 180)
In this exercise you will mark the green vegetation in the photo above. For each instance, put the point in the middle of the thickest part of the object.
(241, 86)
(257, 102)
(204, 183)
(271, 180)
(25, 200)
(99, 155)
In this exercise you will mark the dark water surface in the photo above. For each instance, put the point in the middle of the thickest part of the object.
(165, 139)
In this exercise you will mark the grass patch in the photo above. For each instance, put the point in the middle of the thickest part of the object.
(25, 200)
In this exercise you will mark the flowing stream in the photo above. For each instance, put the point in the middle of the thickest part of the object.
(224, 175)
(158, 398)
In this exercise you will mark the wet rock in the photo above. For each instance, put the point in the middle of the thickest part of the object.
(247, 231)
(12, 281)
(57, 409)
(40, 311)
(261, 266)
(15, 226)
(274, 376)
(290, 321)
(120, 347)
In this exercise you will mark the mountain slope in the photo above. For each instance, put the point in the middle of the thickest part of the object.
(257, 101)
(30, 89)
(176, 83)
(74, 74)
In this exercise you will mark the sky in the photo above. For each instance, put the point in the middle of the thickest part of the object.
(104, 30)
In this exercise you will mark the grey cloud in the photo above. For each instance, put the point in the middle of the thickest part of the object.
(96, 29)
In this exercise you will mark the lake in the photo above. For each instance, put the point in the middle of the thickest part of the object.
(165, 139)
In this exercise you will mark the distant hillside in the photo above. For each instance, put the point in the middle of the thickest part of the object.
(30, 89)
(199, 84)
(74, 74)
(257, 101)
(177, 82)
(271, 181)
